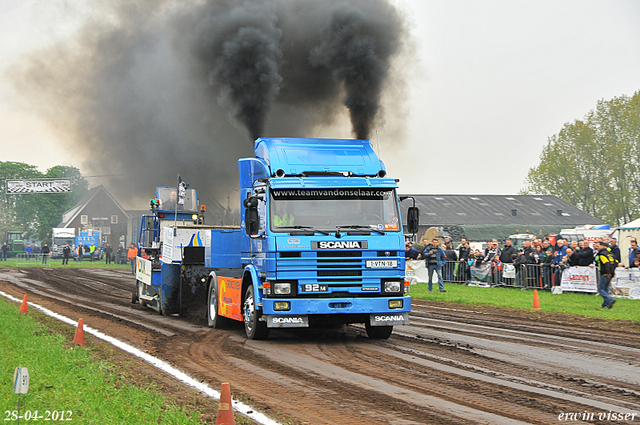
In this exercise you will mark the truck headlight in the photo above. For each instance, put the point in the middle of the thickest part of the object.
(392, 286)
(282, 288)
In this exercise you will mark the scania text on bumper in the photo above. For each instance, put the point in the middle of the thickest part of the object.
(389, 319)
(287, 321)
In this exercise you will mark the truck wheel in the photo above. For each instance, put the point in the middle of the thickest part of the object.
(253, 327)
(143, 303)
(378, 332)
(214, 320)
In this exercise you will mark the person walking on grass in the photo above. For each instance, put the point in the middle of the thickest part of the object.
(434, 258)
(607, 264)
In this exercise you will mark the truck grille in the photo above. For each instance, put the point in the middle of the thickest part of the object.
(344, 272)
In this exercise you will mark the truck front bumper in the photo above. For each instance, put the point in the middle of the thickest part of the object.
(295, 312)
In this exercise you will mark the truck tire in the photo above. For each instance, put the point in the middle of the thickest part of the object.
(253, 327)
(214, 320)
(378, 332)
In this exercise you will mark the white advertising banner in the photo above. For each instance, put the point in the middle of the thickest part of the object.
(17, 187)
(143, 270)
(417, 272)
(579, 279)
(509, 271)
(174, 240)
(167, 245)
(627, 283)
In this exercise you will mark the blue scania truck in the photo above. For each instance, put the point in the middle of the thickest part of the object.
(320, 243)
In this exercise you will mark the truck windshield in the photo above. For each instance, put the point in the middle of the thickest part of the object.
(63, 241)
(169, 200)
(329, 209)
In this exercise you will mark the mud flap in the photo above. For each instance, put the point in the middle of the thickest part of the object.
(388, 319)
(170, 289)
(194, 288)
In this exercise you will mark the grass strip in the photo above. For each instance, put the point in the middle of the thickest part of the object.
(57, 263)
(577, 303)
(68, 378)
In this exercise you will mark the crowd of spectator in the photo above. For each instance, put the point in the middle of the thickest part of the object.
(538, 259)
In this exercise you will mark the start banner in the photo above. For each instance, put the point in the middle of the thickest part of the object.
(18, 187)
(579, 279)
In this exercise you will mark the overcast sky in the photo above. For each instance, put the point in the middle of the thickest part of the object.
(490, 82)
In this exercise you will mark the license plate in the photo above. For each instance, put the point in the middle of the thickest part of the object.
(314, 287)
(382, 264)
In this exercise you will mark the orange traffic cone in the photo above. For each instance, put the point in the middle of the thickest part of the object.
(536, 302)
(23, 306)
(225, 409)
(79, 337)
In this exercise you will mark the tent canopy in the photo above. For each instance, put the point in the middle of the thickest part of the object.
(632, 225)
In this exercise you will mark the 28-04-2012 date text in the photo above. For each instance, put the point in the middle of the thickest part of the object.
(35, 415)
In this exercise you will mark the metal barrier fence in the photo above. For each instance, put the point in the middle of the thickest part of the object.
(527, 276)
(32, 259)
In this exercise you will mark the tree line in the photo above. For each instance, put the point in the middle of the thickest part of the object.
(36, 214)
(594, 163)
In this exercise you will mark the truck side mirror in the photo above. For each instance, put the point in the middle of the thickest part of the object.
(413, 219)
(251, 217)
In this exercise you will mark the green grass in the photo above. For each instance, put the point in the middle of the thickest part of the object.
(64, 377)
(57, 263)
(581, 304)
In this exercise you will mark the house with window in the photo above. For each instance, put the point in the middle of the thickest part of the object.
(99, 210)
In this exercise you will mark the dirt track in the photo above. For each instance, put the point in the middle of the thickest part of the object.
(452, 365)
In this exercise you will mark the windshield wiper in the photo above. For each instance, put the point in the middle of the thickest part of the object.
(309, 228)
(368, 227)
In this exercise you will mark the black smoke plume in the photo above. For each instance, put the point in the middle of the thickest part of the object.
(147, 89)
(241, 46)
(359, 59)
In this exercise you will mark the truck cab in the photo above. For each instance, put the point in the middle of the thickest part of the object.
(322, 239)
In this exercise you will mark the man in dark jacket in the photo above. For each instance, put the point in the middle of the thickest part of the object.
(410, 253)
(528, 252)
(464, 273)
(107, 253)
(3, 251)
(45, 253)
(585, 254)
(66, 253)
(452, 259)
(507, 252)
(572, 257)
(520, 261)
(615, 249)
